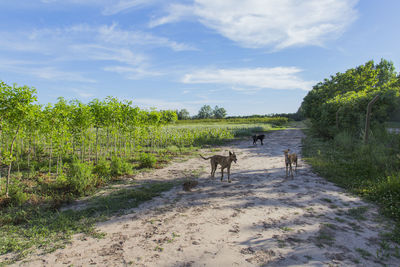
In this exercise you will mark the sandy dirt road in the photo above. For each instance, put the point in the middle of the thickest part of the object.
(262, 218)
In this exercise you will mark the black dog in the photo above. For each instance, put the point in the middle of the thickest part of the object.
(258, 137)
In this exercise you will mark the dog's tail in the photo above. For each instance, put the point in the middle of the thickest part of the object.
(204, 157)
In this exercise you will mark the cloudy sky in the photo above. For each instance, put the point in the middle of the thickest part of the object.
(248, 56)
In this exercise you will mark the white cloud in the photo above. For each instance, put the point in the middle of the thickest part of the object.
(269, 23)
(106, 44)
(176, 12)
(42, 72)
(109, 7)
(107, 53)
(132, 73)
(123, 5)
(251, 79)
(112, 34)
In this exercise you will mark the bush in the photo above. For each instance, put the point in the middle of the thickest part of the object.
(102, 170)
(79, 177)
(147, 160)
(17, 196)
(120, 167)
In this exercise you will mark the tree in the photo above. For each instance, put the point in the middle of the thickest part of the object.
(15, 106)
(219, 113)
(183, 114)
(339, 103)
(205, 112)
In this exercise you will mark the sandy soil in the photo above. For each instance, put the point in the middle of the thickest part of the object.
(262, 218)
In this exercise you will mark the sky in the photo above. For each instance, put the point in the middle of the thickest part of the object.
(247, 56)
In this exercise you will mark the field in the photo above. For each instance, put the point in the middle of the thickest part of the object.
(131, 182)
(262, 217)
(47, 173)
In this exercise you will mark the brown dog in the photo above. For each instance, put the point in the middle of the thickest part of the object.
(289, 160)
(224, 161)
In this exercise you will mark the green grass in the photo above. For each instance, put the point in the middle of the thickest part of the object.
(325, 236)
(371, 170)
(251, 120)
(365, 254)
(357, 213)
(23, 229)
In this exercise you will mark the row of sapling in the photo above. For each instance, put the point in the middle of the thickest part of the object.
(47, 136)
(48, 139)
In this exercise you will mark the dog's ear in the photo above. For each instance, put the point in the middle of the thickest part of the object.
(230, 153)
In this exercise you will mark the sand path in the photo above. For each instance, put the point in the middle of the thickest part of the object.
(260, 219)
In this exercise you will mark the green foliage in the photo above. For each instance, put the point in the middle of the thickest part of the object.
(276, 121)
(79, 178)
(102, 169)
(17, 195)
(219, 113)
(183, 114)
(120, 167)
(147, 160)
(370, 170)
(205, 112)
(340, 103)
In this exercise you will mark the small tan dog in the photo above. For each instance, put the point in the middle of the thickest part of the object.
(289, 160)
(224, 161)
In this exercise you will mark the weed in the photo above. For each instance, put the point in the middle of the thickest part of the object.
(325, 236)
(357, 213)
(364, 253)
(147, 160)
(340, 219)
(308, 257)
(79, 178)
(327, 200)
(281, 243)
(120, 166)
(158, 248)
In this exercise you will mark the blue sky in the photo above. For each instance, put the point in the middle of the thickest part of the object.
(250, 57)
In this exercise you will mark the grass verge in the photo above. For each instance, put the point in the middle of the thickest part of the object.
(23, 229)
(371, 170)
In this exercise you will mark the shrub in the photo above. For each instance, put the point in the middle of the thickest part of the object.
(79, 177)
(17, 196)
(147, 160)
(102, 169)
(120, 167)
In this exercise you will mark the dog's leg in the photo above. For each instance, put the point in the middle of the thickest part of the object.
(287, 169)
(291, 170)
(213, 168)
(222, 173)
(229, 174)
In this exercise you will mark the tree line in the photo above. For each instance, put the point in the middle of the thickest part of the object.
(205, 112)
(339, 103)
